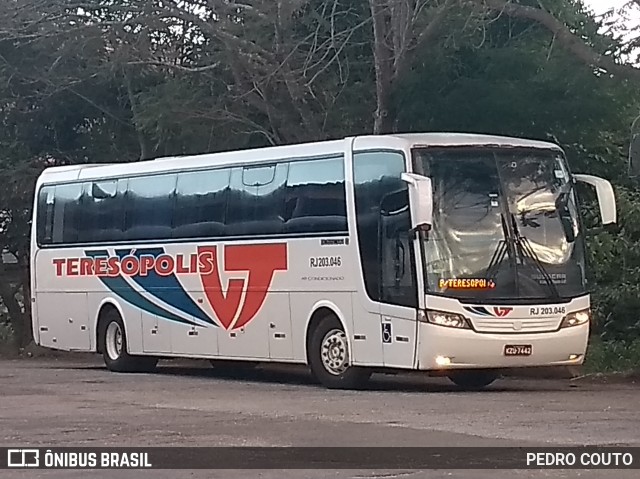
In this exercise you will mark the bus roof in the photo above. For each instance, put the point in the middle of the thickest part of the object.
(257, 155)
(454, 139)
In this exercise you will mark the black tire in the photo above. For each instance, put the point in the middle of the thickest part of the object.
(473, 380)
(119, 359)
(351, 377)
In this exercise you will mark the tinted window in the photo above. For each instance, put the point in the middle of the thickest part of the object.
(66, 213)
(150, 207)
(284, 198)
(101, 211)
(383, 223)
(201, 203)
(44, 221)
(256, 200)
(315, 197)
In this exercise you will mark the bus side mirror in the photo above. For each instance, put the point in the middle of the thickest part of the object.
(606, 197)
(421, 198)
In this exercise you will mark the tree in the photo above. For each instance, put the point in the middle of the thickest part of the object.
(276, 63)
(400, 27)
(57, 105)
(566, 34)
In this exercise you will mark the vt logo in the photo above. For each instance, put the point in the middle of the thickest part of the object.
(502, 312)
(498, 311)
(245, 296)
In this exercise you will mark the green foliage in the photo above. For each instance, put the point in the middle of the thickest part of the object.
(615, 266)
(612, 356)
(513, 80)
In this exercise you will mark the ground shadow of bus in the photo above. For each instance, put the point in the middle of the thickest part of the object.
(298, 375)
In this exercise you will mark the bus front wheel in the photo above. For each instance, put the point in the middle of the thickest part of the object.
(114, 347)
(329, 357)
(473, 380)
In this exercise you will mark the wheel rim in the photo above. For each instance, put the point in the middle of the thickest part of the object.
(114, 340)
(335, 352)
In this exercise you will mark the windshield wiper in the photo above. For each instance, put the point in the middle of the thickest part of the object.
(526, 251)
(496, 259)
(504, 246)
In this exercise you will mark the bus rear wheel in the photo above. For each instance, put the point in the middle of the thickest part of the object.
(114, 347)
(473, 380)
(329, 357)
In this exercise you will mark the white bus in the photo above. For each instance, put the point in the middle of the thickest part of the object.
(453, 254)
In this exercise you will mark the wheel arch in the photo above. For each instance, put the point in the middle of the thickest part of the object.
(107, 304)
(320, 311)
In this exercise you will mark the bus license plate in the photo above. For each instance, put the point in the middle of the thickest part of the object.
(518, 350)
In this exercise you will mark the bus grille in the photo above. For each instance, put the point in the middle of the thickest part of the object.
(515, 325)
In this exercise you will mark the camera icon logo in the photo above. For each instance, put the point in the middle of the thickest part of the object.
(23, 458)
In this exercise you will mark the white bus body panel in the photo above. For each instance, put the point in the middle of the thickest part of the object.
(468, 349)
(175, 316)
(505, 325)
(178, 317)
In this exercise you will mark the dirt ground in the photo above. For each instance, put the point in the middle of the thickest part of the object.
(49, 402)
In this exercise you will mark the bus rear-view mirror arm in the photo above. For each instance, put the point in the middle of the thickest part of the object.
(606, 197)
(421, 197)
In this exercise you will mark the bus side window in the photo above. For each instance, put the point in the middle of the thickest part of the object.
(255, 204)
(101, 212)
(66, 210)
(45, 214)
(201, 203)
(386, 254)
(315, 197)
(149, 207)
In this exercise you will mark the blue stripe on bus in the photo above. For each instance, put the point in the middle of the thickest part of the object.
(165, 288)
(479, 310)
(121, 288)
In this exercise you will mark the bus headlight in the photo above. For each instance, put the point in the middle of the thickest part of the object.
(449, 320)
(576, 319)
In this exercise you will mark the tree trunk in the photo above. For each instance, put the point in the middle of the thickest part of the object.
(145, 150)
(383, 63)
(27, 330)
(16, 315)
(396, 38)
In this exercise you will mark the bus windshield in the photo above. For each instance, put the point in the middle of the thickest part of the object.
(506, 217)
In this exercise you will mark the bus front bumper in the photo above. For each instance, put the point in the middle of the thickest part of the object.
(441, 348)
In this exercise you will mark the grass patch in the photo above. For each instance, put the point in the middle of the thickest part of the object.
(612, 356)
